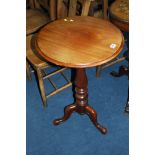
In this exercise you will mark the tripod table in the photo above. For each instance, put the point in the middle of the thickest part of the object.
(80, 42)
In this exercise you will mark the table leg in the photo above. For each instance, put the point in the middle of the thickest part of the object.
(81, 103)
(67, 113)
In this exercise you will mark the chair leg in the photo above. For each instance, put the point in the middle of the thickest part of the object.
(41, 86)
(28, 72)
(98, 71)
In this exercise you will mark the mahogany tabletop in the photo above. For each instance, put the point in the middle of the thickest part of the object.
(79, 42)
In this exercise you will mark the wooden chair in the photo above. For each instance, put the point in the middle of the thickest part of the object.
(38, 15)
(96, 9)
(117, 13)
(37, 18)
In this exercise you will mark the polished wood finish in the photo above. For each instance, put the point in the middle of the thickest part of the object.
(60, 41)
(81, 104)
(121, 25)
(32, 55)
(80, 42)
(119, 14)
(120, 10)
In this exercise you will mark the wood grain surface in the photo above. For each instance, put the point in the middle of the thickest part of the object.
(120, 10)
(32, 55)
(35, 19)
(79, 42)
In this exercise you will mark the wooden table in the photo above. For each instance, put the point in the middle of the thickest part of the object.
(80, 42)
(119, 14)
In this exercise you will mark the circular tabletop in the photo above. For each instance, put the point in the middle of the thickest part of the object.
(79, 42)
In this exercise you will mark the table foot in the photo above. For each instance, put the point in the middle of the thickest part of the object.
(81, 103)
(67, 113)
(122, 71)
(93, 116)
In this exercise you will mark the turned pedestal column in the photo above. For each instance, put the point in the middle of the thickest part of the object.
(81, 103)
